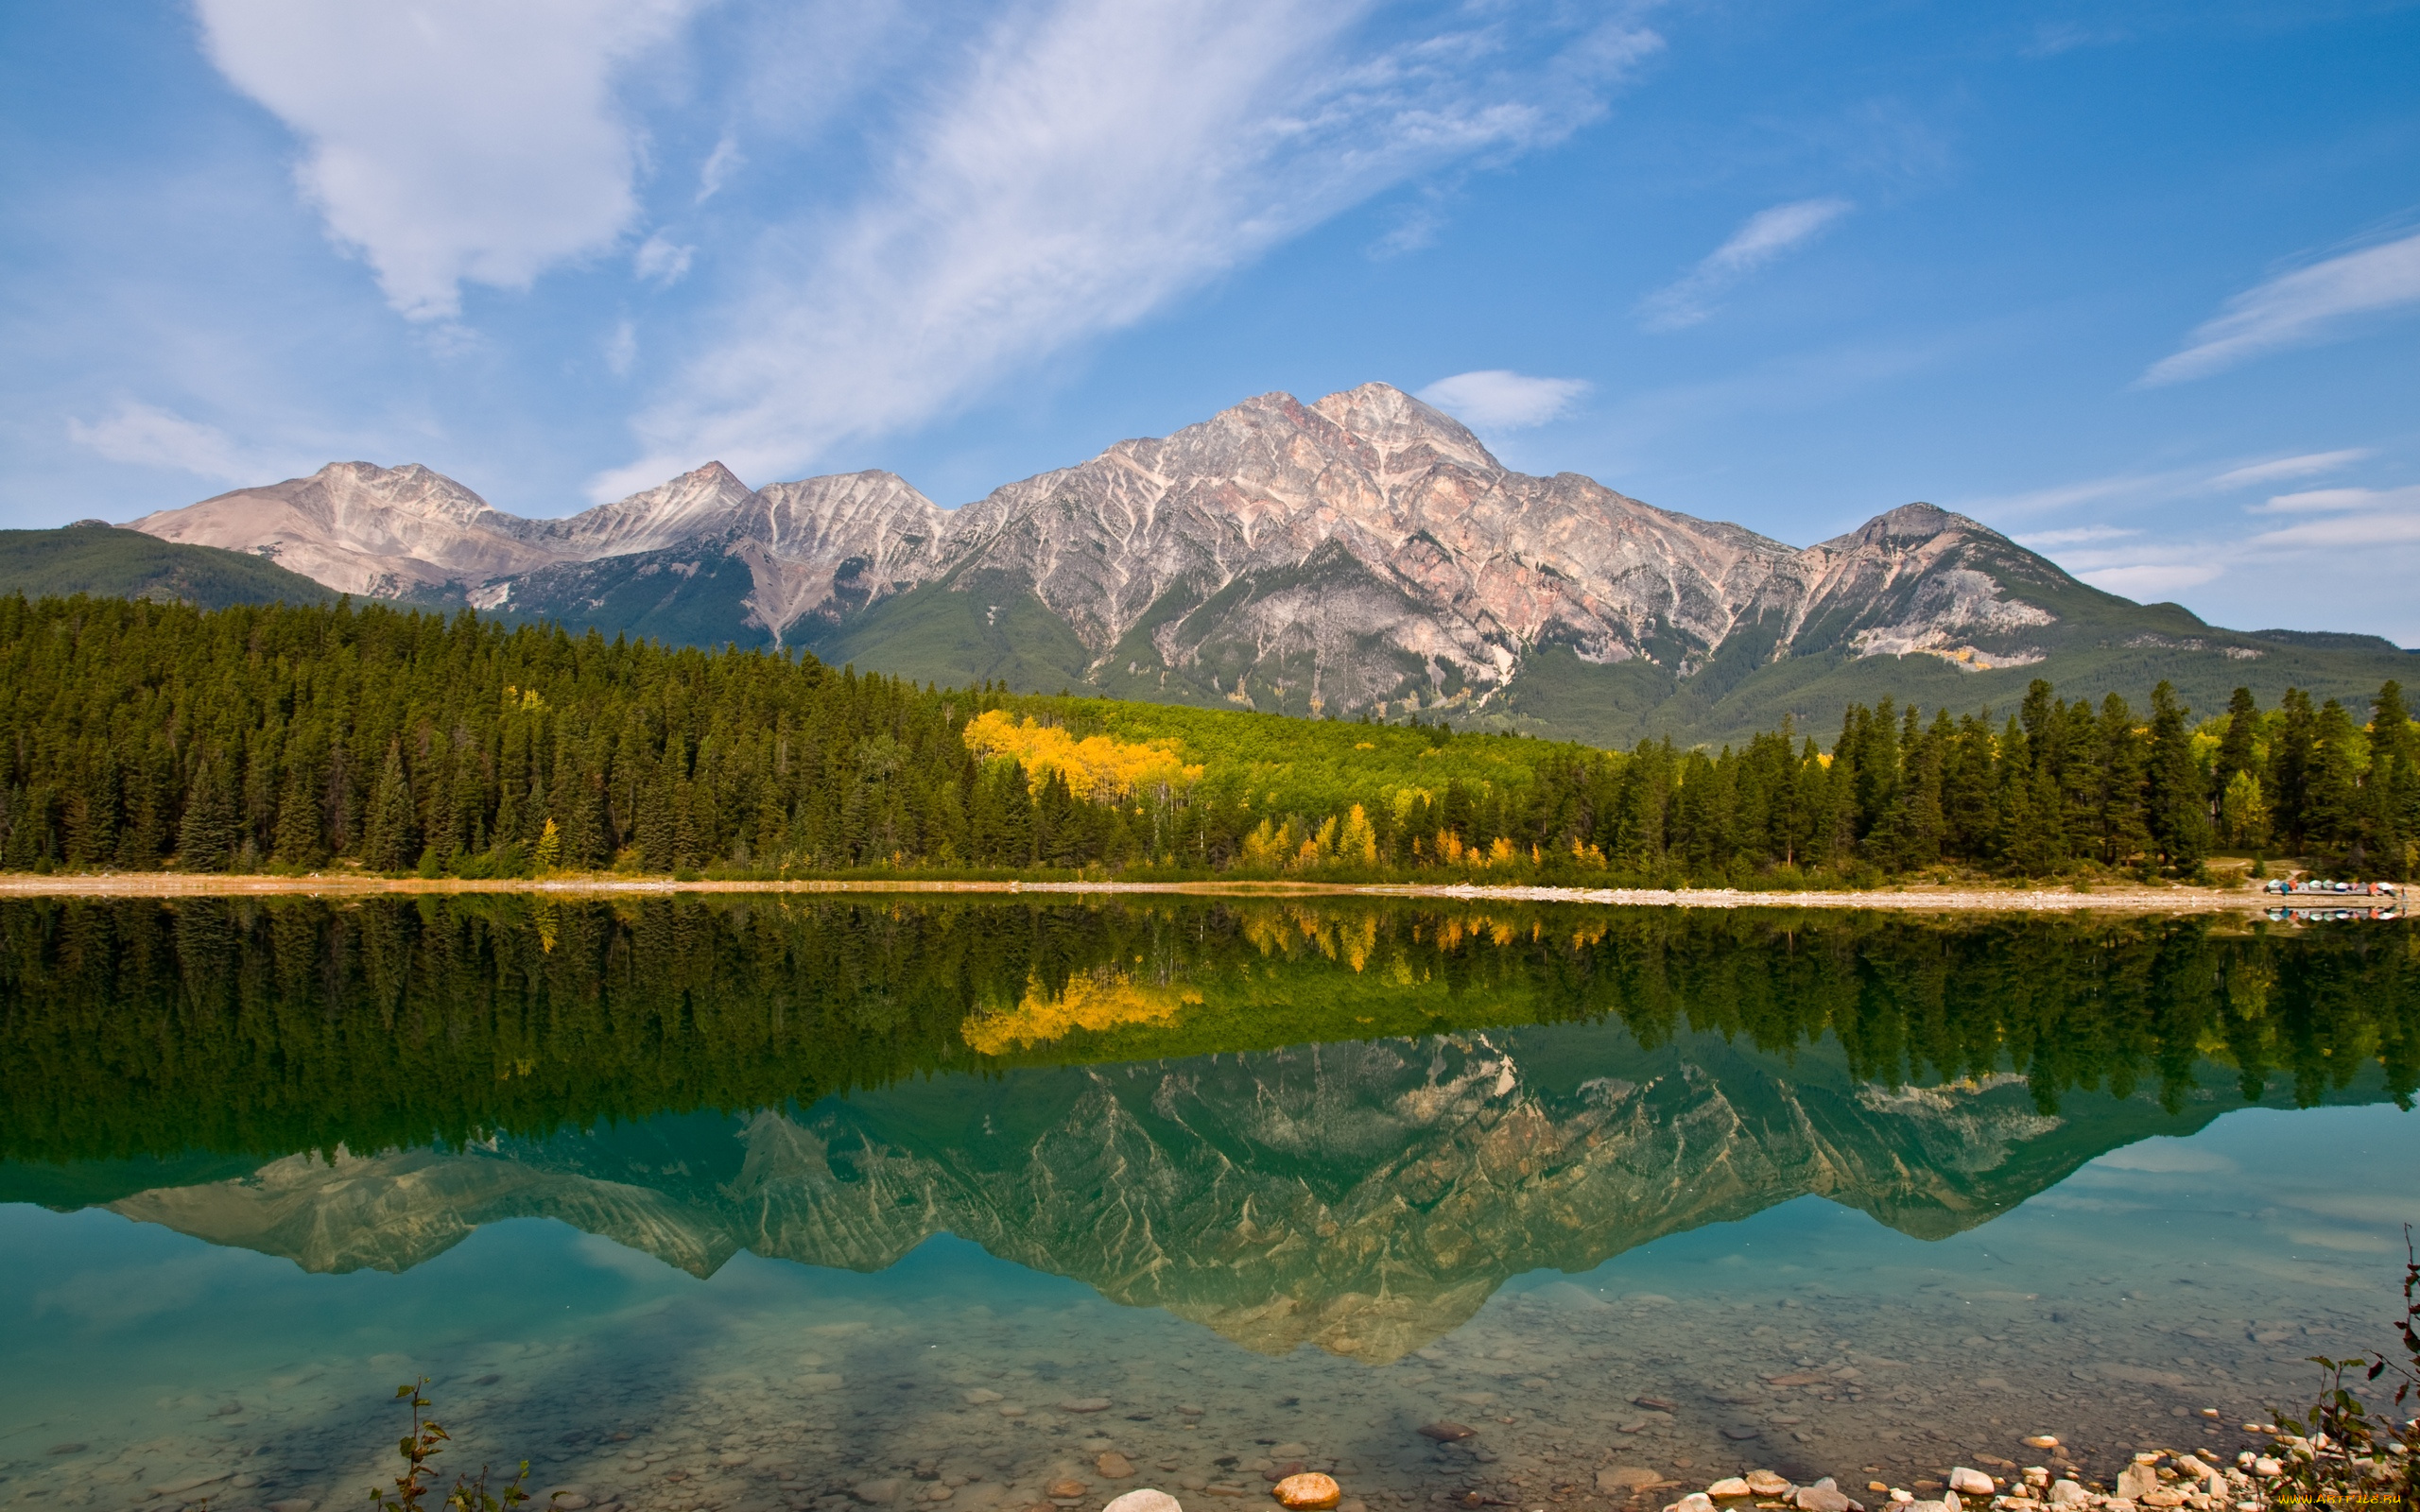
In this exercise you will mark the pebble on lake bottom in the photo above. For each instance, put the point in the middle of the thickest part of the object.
(1309, 1492)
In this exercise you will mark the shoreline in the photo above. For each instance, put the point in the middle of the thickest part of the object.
(1980, 899)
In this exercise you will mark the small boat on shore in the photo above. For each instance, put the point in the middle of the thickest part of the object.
(2319, 888)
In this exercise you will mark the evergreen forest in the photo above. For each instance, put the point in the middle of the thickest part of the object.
(293, 738)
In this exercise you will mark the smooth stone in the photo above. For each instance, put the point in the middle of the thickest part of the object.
(1970, 1482)
(2267, 1467)
(1728, 1486)
(1823, 1498)
(1626, 1478)
(2040, 1441)
(2137, 1481)
(1187, 1409)
(1307, 1493)
(2163, 1498)
(1062, 1489)
(981, 1395)
(1765, 1483)
(1115, 1466)
(1694, 1502)
(1446, 1433)
(188, 1484)
(1741, 1432)
(1145, 1500)
(876, 1493)
(2065, 1492)
(1927, 1506)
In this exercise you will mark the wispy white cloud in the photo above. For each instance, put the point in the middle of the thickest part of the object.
(146, 435)
(2111, 488)
(451, 141)
(1495, 399)
(2082, 535)
(2366, 532)
(2325, 501)
(2311, 304)
(719, 166)
(622, 348)
(1093, 160)
(2309, 465)
(2152, 580)
(661, 262)
(2165, 485)
(1766, 235)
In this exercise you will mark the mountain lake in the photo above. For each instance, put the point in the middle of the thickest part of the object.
(744, 1203)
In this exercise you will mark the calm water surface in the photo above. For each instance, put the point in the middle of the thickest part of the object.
(763, 1203)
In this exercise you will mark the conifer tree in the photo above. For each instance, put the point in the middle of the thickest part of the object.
(2236, 746)
(296, 840)
(388, 843)
(206, 833)
(2290, 761)
(2391, 800)
(2332, 815)
(2177, 802)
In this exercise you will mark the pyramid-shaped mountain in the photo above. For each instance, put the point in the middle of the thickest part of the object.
(1363, 555)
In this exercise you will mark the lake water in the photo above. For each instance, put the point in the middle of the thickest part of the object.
(746, 1203)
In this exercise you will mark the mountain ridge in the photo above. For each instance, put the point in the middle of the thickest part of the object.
(1361, 555)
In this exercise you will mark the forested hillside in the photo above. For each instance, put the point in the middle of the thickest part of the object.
(92, 557)
(289, 738)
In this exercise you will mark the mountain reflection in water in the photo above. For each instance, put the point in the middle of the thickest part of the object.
(1345, 1123)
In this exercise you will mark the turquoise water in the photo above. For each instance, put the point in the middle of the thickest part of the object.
(1676, 1222)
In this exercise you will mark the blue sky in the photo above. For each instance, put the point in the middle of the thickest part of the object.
(2137, 283)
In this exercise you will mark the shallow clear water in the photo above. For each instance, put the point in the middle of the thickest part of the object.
(1831, 1195)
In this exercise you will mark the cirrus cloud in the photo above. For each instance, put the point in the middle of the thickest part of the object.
(1497, 399)
(1089, 162)
(1763, 237)
(2309, 305)
(146, 435)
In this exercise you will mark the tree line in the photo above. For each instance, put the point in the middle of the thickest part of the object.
(289, 738)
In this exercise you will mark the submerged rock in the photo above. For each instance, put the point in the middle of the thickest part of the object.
(1308, 1492)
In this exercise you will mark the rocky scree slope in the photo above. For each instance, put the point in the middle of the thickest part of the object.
(1362, 554)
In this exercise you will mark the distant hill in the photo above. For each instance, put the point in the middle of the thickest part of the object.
(1363, 555)
(92, 557)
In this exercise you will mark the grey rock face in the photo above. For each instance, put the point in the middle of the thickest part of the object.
(1365, 550)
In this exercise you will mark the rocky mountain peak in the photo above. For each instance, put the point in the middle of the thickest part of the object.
(1363, 552)
(702, 500)
(1395, 422)
(1908, 523)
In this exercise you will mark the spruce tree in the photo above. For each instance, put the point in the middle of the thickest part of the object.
(2176, 801)
(2236, 750)
(2332, 814)
(296, 840)
(388, 841)
(2290, 761)
(2391, 800)
(206, 833)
